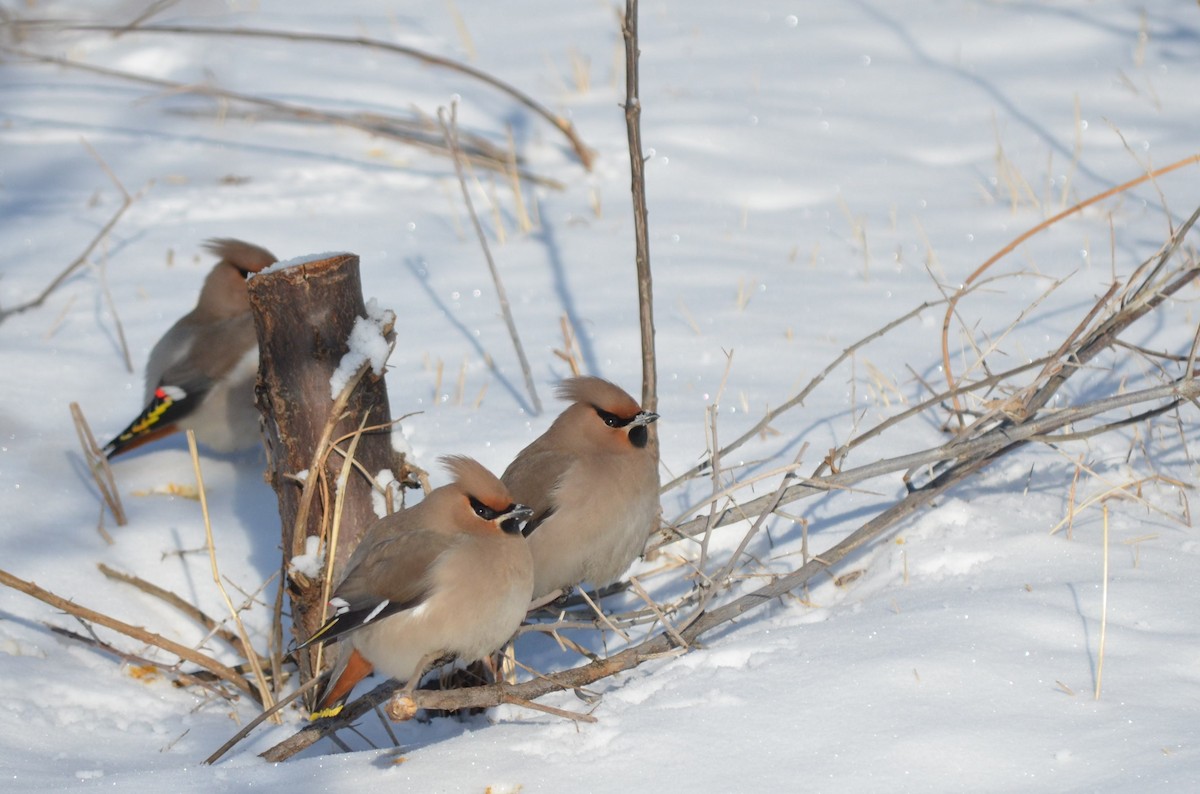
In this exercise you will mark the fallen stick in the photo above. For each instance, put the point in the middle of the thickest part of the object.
(221, 671)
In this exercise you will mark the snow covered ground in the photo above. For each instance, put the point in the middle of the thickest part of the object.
(814, 170)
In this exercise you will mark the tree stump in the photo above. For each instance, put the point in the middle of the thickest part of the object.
(304, 314)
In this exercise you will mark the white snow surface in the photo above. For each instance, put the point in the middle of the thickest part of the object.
(296, 261)
(813, 171)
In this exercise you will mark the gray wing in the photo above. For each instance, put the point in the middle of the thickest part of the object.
(386, 575)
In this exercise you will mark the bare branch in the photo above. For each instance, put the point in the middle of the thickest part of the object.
(224, 672)
(641, 237)
(419, 132)
(586, 156)
(126, 201)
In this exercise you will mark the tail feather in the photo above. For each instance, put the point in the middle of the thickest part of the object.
(355, 669)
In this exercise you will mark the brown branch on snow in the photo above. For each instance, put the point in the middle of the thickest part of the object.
(1007, 249)
(950, 464)
(221, 671)
(663, 644)
(1149, 292)
(126, 201)
(167, 597)
(586, 156)
(419, 133)
(179, 677)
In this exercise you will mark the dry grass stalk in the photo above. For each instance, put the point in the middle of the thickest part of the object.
(713, 413)
(450, 130)
(247, 647)
(321, 453)
(524, 222)
(460, 25)
(570, 352)
(112, 307)
(996, 257)
(139, 665)
(338, 507)
(101, 472)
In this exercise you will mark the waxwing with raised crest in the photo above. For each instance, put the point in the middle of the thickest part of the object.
(200, 375)
(592, 481)
(451, 576)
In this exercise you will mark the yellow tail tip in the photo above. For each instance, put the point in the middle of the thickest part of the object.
(321, 714)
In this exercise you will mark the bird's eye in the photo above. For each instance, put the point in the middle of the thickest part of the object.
(611, 419)
(482, 510)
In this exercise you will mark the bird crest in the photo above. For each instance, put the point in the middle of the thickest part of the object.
(599, 393)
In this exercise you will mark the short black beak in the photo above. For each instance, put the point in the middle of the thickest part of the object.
(516, 516)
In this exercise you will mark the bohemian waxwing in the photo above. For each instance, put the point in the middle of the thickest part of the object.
(451, 576)
(200, 375)
(592, 481)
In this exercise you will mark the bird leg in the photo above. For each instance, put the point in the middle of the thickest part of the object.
(401, 707)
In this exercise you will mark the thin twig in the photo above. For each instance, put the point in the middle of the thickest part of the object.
(224, 672)
(259, 719)
(180, 677)
(126, 202)
(586, 156)
(714, 445)
(641, 235)
(167, 597)
(117, 325)
(416, 133)
(996, 257)
(450, 130)
(799, 397)
(658, 613)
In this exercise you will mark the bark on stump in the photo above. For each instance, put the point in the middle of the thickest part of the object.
(303, 315)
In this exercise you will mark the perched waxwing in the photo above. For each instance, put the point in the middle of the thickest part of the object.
(451, 576)
(592, 481)
(200, 375)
